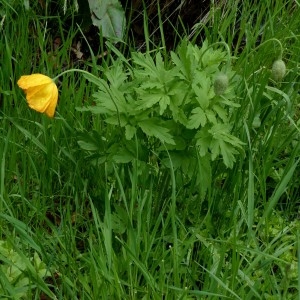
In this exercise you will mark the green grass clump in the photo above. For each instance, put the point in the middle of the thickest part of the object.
(96, 205)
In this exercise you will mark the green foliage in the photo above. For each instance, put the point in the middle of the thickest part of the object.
(109, 17)
(16, 272)
(134, 223)
(169, 106)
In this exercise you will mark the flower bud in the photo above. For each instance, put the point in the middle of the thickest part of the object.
(278, 70)
(256, 122)
(220, 84)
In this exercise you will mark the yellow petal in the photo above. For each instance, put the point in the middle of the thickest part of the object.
(41, 93)
(50, 111)
(32, 80)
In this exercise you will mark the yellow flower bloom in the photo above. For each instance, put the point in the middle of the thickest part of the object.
(41, 93)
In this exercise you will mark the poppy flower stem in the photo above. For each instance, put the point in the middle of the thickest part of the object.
(271, 40)
(72, 71)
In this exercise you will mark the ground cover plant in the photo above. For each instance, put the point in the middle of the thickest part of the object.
(164, 173)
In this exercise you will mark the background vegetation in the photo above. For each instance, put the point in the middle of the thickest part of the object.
(98, 204)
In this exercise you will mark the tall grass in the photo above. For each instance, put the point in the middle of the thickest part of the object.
(118, 232)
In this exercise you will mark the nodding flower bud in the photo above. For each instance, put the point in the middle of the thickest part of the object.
(220, 84)
(278, 70)
(256, 122)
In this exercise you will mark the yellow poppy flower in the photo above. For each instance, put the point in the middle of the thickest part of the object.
(41, 93)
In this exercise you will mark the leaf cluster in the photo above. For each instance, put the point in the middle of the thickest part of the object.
(168, 106)
(17, 271)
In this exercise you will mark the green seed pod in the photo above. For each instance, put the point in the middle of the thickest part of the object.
(278, 70)
(220, 84)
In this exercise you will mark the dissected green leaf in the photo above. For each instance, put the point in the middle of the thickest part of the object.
(202, 94)
(120, 120)
(175, 158)
(185, 61)
(108, 100)
(224, 143)
(149, 85)
(91, 78)
(225, 149)
(129, 132)
(209, 56)
(221, 132)
(145, 61)
(211, 116)
(148, 100)
(117, 76)
(109, 16)
(221, 112)
(184, 160)
(197, 118)
(88, 146)
(177, 113)
(104, 103)
(91, 141)
(163, 103)
(151, 128)
(226, 101)
(123, 156)
(41, 268)
(218, 141)
(158, 82)
(203, 138)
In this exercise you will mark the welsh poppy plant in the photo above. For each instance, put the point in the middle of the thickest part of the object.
(41, 93)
